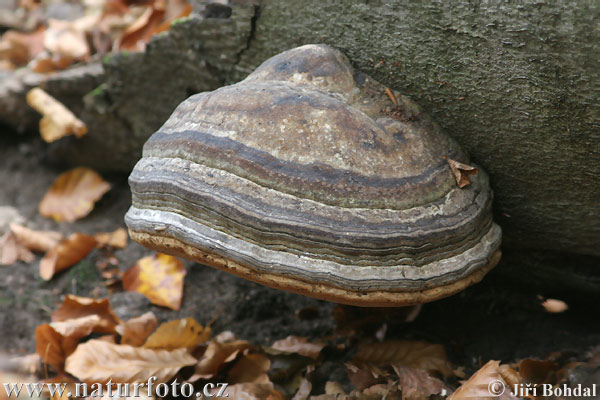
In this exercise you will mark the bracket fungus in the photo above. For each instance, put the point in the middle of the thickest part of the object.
(311, 177)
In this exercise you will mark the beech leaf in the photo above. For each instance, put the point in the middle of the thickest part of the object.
(100, 361)
(66, 254)
(461, 172)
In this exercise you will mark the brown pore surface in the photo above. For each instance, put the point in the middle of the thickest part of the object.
(378, 298)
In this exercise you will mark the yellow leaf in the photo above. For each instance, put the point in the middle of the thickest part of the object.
(159, 278)
(73, 194)
(57, 121)
(100, 361)
(66, 254)
(185, 332)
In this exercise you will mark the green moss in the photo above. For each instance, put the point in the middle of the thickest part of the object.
(98, 90)
(179, 20)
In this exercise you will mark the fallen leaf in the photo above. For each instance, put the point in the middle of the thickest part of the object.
(461, 172)
(77, 307)
(486, 383)
(417, 384)
(427, 356)
(555, 306)
(54, 347)
(363, 375)
(538, 371)
(73, 194)
(135, 331)
(299, 345)
(65, 39)
(186, 333)
(18, 48)
(66, 254)
(140, 32)
(510, 376)
(251, 368)
(40, 241)
(99, 361)
(159, 278)
(216, 355)
(12, 251)
(116, 239)
(57, 120)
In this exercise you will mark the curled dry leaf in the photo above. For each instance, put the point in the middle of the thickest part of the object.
(483, 384)
(159, 278)
(57, 121)
(461, 172)
(116, 239)
(73, 194)
(99, 361)
(135, 331)
(417, 384)
(40, 241)
(12, 251)
(216, 356)
(18, 48)
(77, 307)
(186, 333)
(299, 345)
(427, 356)
(55, 341)
(66, 254)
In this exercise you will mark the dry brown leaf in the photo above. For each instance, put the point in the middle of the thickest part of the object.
(251, 368)
(304, 389)
(159, 278)
(77, 307)
(185, 332)
(12, 251)
(174, 9)
(66, 39)
(537, 371)
(461, 172)
(135, 331)
(427, 356)
(299, 345)
(57, 121)
(216, 355)
(484, 384)
(510, 376)
(555, 306)
(363, 376)
(140, 32)
(40, 241)
(18, 48)
(253, 391)
(417, 384)
(54, 347)
(99, 361)
(116, 239)
(73, 194)
(66, 254)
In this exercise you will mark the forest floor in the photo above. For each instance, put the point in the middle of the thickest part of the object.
(492, 320)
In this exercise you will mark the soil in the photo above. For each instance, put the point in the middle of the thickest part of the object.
(495, 319)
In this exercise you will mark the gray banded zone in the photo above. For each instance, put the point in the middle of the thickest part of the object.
(278, 221)
(299, 267)
(318, 182)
